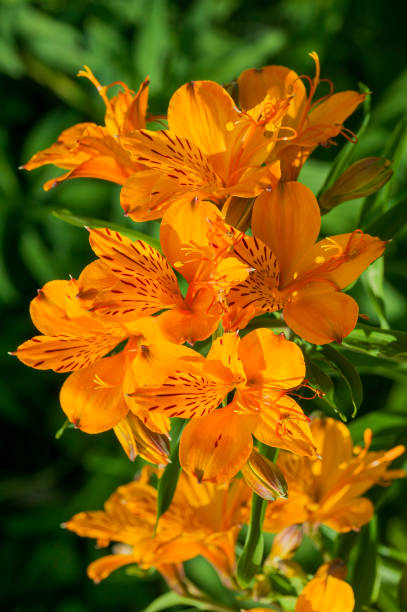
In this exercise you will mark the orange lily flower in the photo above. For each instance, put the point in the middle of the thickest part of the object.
(313, 122)
(294, 273)
(94, 151)
(328, 591)
(96, 398)
(212, 150)
(203, 519)
(262, 369)
(131, 279)
(329, 490)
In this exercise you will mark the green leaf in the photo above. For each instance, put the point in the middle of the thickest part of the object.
(376, 204)
(250, 604)
(389, 223)
(376, 366)
(385, 343)
(252, 553)
(153, 43)
(168, 481)
(317, 376)
(39, 259)
(323, 382)
(343, 158)
(344, 368)
(365, 565)
(373, 283)
(171, 599)
(392, 553)
(387, 427)
(67, 217)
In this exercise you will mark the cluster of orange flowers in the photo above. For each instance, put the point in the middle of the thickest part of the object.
(239, 238)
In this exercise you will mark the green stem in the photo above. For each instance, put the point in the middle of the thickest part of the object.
(252, 554)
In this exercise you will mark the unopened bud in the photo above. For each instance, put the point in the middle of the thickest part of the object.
(137, 439)
(264, 477)
(286, 542)
(361, 179)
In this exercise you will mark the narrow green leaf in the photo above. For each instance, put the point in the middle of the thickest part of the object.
(373, 283)
(385, 343)
(323, 382)
(376, 204)
(392, 553)
(387, 427)
(345, 544)
(343, 158)
(349, 374)
(38, 257)
(171, 599)
(168, 481)
(317, 376)
(250, 604)
(67, 217)
(252, 553)
(365, 565)
(394, 151)
(153, 43)
(376, 366)
(390, 222)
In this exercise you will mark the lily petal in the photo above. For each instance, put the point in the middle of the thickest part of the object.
(93, 398)
(287, 219)
(271, 358)
(200, 111)
(341, 258)
(214, 447)
(320, 314)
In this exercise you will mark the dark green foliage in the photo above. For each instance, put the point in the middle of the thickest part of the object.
(43, 43)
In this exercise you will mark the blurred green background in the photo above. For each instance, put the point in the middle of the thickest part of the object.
(42, 46)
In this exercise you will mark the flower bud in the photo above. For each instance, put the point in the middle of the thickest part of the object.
(362, 178)
(137, 439)
(286, 542)
(264, 477)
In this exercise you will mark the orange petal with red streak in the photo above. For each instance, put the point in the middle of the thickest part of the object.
(147, 194)
(287, 219)
(214, 447)
(66, 352)
(282, 424)
(184, 394)
(61, 153)
(147, 283)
